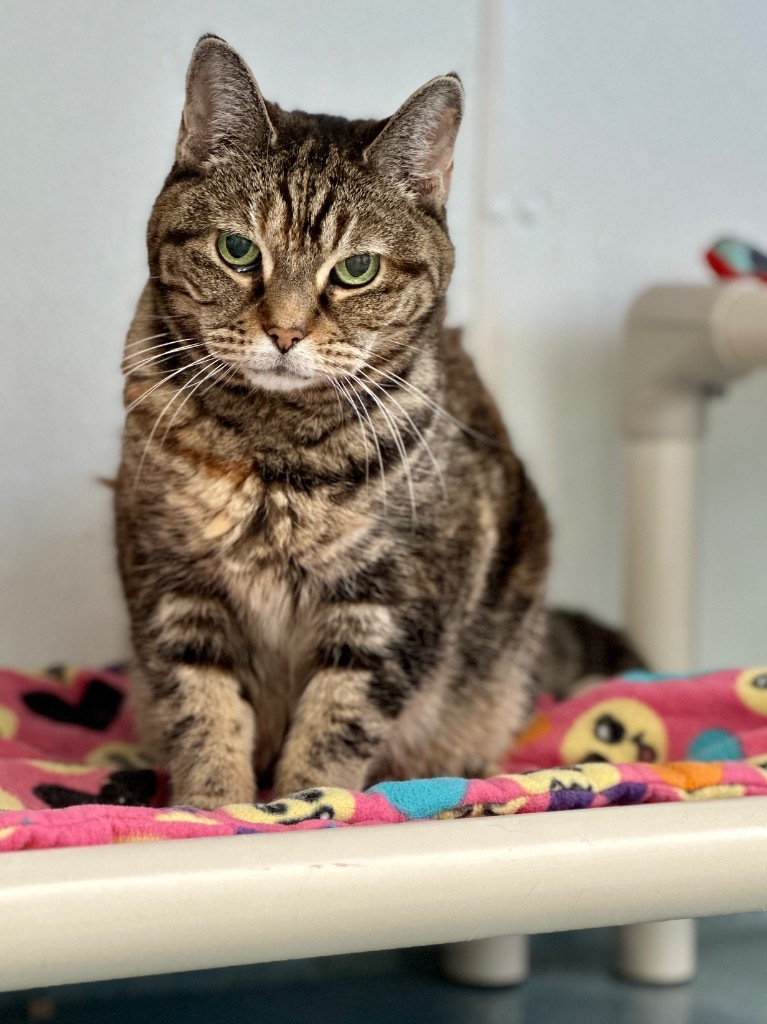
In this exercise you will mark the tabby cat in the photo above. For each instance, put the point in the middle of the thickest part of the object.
(334, 561)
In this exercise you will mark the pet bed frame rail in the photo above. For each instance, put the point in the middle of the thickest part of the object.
(117, 911)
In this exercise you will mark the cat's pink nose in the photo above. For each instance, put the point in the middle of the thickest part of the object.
(285, 337)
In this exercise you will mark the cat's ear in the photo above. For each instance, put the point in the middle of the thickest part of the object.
(416, 144)
(224, 108)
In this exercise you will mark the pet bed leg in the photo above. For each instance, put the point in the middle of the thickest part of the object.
(501, 960)
(656, 953)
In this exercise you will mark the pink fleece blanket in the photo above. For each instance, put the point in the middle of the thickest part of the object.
(72, 775)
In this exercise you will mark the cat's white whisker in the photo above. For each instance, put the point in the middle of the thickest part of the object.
(157, 347)
(140, 341)
(399, 444)
(157, 357)
(329, 380)
(165, 408)
(419, 434)
(340, 387)
(135, 360)
(395, 378)
(145, 394)
(218, 364)
(376, 442)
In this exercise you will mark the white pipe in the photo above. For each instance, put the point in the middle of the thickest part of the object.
(660, 549)
(739, 326)
(656, 953)
(683, 344)
(148, 908)
(492, 963)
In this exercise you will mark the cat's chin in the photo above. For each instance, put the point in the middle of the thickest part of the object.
(281, 381)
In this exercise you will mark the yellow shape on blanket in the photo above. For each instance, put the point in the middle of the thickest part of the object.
(61, 767)
(5, 832)
(583, 776)
(510, 807)
(185, 816)
(8, 802)
(117, 754)
(751, 687)
(602, 775)
(65, 675)
(622, 731)
(480, 810)
(9, 723)
(335, 804)
(541, 781)
(723, 792)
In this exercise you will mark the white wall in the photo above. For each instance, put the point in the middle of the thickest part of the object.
(627, 136)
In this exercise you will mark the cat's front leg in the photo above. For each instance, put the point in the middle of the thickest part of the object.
(190, 707)
(337, 732)
(352, 702)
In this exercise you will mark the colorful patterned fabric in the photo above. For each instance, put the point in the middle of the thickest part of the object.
(71, 773)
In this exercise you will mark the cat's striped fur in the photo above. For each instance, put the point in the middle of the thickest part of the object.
(333, 559)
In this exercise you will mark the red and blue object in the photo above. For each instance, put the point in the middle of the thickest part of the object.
(731, 257)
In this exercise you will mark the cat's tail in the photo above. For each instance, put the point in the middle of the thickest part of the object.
(581, 651)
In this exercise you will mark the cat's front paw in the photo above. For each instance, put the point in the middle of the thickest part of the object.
(212, 799)
(287, 783)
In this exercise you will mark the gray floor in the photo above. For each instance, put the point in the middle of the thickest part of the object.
(570, 984)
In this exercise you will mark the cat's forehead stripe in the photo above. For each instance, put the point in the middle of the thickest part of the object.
(315, 228)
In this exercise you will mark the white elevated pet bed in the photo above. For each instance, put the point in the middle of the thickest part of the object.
(116, 911)
(103, 912)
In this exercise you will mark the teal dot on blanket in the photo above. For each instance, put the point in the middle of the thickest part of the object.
(638, 675)
(715, 745)
(422, 798)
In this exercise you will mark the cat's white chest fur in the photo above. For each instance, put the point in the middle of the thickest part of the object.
(280, 628)
(272, 608)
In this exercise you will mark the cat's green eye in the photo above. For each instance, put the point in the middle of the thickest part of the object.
(239, 252)
(356, 270)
